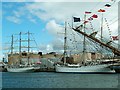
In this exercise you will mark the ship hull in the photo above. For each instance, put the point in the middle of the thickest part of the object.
(116, 68)
(25, 69)
(84, 69)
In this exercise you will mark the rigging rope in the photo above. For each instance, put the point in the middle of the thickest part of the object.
(92, 26)
(108, 28)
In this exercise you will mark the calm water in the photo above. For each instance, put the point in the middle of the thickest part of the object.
(58, 80)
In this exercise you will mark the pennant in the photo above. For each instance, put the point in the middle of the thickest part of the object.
(90, 19)
(101, 10)
(107, 5)
(88, 12)
(115, 37)
(85, 22)
(94, 16)
(76, 19)
(38, 62)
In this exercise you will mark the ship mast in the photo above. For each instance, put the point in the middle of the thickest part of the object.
(65, 43)
(28, 46)
(20, 48)
(84, 46)
(12, 45)
(101, 27)
(101, 33)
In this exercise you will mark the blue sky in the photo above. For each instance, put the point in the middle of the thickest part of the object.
(23, 24)
(46, 20)
(13, 24)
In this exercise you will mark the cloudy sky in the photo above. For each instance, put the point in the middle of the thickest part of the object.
(46, 20)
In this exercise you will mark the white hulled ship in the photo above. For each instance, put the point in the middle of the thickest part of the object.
(20, 69)
(15, 63)
(84, 69)
(96, 67)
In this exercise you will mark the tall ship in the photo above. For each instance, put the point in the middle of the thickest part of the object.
(86, 66)
(20, 61)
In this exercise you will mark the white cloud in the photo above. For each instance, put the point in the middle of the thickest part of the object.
(54, 28)
(49, 48)
(58, 11)
(19, 13)
(61, 12)
(46, 48)
(32, 19)
(6, 48)
(57, 30)
(13, 19)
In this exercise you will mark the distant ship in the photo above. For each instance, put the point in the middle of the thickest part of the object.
(96, 67)
(18, 66)
(20, 69)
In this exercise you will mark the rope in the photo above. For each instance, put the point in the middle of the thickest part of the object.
(92, 26)
(108, 28)
(35, 43)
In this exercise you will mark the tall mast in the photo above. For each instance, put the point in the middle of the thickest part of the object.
(101, 27)
(119, 34)
(20, 48)
(84, 46)
(101, 33)
(65, 43)
(12, 45)
(28, 46)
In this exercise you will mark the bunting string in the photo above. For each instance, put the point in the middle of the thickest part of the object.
(108, 28)
(92, 26)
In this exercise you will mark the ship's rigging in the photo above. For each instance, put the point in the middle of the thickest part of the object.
(114, 50)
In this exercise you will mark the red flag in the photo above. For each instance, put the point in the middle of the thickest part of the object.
(115, 37)
(101, 10)
(38, 63)
(85, 22)
(88, 12)
(94, 16)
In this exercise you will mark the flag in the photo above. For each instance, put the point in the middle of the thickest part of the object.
(38, 62)
(76, 19)
(85, 22)
(107, 5)
(101, 10)
(90, 19)
(115, 37)
(94, 16)
(88, 12)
